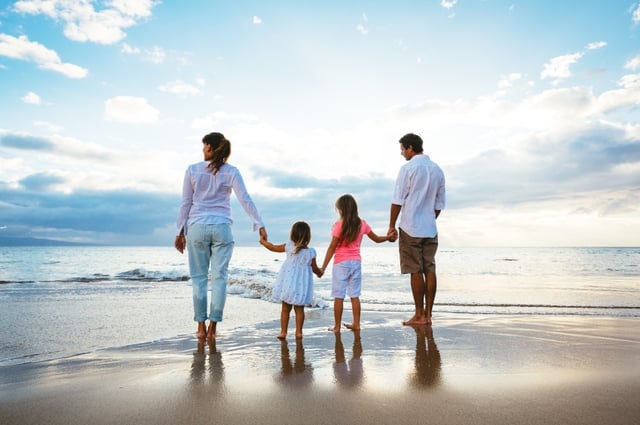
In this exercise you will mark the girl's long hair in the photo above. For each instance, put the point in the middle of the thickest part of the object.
(221, 150)
(300, 235)
(348, 209)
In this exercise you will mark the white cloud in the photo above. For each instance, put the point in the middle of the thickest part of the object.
(448, 4)
(636, 14)
(628, 94)
(129, 49)
(155, 55)
(361, 29)
(217, 118)
(180, 88)
(135, 8)
(507, 81)
(559, 67)
(257, 20)
(23, 49)
(633, 63)
(84, 23)
(32, 99)
(53, 128)
(596, 45)
(130, 109)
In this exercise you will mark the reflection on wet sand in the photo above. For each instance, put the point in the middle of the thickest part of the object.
(210, 372)
(348, 374)
(298, 373)
(428, 363)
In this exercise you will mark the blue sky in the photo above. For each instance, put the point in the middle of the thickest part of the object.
(532, 109)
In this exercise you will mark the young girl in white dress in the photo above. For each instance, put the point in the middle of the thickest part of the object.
(294, 284)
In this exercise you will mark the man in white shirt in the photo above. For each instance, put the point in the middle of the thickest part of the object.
(420, 194)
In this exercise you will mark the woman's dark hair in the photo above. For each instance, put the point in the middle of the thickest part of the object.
(348, 209)
(412, 140)
(300, 235)
(221, 150)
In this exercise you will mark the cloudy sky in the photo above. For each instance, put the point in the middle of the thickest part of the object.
(532, 109)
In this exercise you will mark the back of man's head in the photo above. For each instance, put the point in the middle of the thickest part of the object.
(412, 140)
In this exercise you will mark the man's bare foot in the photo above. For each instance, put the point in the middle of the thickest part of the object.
(352, 327)
(416, 321)
(335, 329)
(283, 335)
(211, 332)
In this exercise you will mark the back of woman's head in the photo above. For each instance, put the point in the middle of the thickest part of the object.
(348, 209)
(300, 235)
(221, 150)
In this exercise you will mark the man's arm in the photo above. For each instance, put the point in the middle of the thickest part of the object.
(393, 218)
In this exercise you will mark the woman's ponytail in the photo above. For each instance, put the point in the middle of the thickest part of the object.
(221, 150)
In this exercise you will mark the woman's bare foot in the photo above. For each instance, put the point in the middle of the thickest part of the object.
(202, 331)
(282, 336)
(211, 332)
(335, 329)
(352, 327)
(416, 321)
(298, 336)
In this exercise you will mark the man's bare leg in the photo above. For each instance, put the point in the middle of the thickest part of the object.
(432, 286)
(299, 309)
(285, 312)
(355, 307)
(419, 291)
(338, 307)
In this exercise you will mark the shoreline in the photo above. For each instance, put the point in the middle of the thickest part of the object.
(485, 369)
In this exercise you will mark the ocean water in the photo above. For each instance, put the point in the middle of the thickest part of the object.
(61, 301)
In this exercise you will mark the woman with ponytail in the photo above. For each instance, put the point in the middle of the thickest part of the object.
(204, 227)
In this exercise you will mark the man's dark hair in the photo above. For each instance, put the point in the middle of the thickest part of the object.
(412, 140)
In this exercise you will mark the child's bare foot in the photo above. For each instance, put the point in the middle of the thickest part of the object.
(352, 326)
(335, 329)
(416, 321)
(282, 336)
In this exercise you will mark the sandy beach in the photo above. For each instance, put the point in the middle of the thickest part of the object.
(489, 369)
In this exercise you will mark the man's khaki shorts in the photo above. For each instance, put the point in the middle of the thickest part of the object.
(417, 255)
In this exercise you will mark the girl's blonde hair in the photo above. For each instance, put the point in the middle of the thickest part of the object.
(348, 209)
(300, 235)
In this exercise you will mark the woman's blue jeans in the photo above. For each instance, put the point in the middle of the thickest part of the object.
(209, 247)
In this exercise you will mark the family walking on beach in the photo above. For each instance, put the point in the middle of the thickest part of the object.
(204, 229)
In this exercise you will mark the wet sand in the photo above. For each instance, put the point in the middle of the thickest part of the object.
(487, 369)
